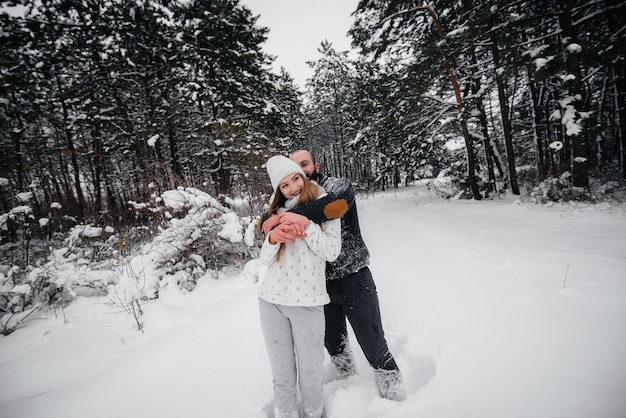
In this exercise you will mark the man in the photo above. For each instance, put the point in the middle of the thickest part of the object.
(349, 281)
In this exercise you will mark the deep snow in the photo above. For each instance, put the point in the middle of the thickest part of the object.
(492, 309)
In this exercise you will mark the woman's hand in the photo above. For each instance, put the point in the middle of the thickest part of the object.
(270, 223)
(286, 232)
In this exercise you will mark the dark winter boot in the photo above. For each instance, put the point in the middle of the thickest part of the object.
(390, 384)
(344, 363)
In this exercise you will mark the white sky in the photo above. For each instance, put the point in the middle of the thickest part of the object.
(298, 27)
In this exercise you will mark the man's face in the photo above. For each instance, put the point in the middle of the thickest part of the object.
(305, 161)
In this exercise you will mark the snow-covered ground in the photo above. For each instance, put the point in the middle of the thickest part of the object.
(492, 309)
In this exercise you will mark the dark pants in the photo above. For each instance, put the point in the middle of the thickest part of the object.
(354, 297)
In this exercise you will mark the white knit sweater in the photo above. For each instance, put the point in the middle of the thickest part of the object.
(299, 277)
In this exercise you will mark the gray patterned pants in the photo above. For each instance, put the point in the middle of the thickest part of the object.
(294, 339)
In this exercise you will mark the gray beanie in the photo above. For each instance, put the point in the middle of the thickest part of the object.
(279, 167)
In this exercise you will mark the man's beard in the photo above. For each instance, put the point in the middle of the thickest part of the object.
(314, 175)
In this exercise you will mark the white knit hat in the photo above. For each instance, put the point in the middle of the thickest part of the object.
(279, 167)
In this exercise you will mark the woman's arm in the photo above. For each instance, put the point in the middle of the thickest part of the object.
(268, 251)
(325, 240)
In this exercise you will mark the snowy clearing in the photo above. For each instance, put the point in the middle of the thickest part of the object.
(492, 309)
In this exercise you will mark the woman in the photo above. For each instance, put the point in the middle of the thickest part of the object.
(293, 293)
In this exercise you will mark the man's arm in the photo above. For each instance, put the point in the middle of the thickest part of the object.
(338, 200)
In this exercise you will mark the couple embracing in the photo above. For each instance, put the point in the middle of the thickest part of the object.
(318, 277)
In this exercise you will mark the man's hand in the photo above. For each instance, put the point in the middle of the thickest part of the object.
(286, 232)
(294, 218)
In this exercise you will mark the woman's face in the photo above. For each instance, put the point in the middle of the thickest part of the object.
(291, 185)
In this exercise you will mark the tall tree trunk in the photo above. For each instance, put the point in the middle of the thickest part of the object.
(171, 137)
(97, 162)
(469, 146)
(16, 134)
(504, 115)
(71, 151)
(471, 160)
(614, 24)
(620, 112)
(482, 117)
(579, 141)
(535, 111)
(45, 177)
(54, 178)
(112, 204)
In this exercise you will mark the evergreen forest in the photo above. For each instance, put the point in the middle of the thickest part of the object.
(107, 104)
